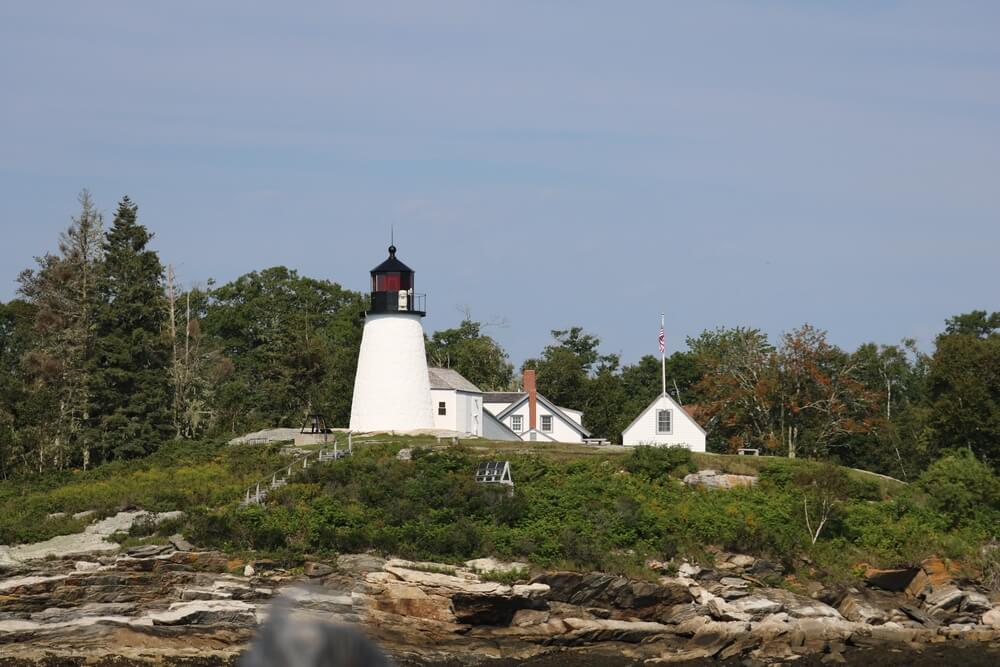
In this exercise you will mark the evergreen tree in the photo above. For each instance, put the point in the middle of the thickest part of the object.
(131, 387)
(63, 295)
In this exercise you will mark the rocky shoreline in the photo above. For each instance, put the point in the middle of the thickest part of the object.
(173, 604)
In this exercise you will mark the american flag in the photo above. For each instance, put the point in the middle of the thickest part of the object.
(663, 339)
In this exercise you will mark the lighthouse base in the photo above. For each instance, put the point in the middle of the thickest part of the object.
(391, 389)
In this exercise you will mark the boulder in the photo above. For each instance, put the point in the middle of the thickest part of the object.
(689, 570)
(878, 636)
(915, 614)
(711, 638)
(690, 626)
(207, 612)
(526, 617)
(148, 550)
(765, 568)
(730, 562)
(939, 572)
(892, 579)
(311, 569)
(798, 606)
(605, 590)
(180, 543)
(359, 563)
(757, 606)
(734, 582)
(975, 603)
(720, 610)
(919, 586)
(679, 613)
(602, 630)
(531, 591)
(855, 608)
(86, 566)
(712, 479)
(412, 602)
(991, 618)
(943, 600)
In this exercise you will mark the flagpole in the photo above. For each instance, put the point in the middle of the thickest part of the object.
(663, 353)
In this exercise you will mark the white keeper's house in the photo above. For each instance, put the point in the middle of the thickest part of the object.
(665, 423)
(533, 417)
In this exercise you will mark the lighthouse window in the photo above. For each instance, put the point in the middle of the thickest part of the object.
(393, 282)
(546, 423)
(516, 423)
(664, 421)
(442, 409)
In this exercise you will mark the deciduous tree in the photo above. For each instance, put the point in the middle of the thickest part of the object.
(478, 357)
(964, 386)
(293, 343)
(740, 387)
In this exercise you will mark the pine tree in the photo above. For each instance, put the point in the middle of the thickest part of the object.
(131, 390)
(62, 292)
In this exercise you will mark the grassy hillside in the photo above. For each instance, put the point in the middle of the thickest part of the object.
(572, 507)
(181, 475)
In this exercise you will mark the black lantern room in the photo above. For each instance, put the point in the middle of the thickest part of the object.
(392, 288)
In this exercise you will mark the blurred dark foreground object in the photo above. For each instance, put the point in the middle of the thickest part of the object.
(290, 642)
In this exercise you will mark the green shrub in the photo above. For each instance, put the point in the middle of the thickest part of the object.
(606, 511)
(963, 489)
(659, 462)
(508, 577)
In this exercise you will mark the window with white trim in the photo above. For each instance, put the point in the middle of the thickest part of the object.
(516, 423)
(442, 408)
(664, 421)
(545, 421)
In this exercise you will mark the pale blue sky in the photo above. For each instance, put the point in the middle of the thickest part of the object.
(551, 163)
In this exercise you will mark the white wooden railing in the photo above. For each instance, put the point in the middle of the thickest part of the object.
(257, 492)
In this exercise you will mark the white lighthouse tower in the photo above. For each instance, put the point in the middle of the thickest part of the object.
(392, 391)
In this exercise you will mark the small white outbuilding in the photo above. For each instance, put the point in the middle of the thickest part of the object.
(457, 403)
(665, 423)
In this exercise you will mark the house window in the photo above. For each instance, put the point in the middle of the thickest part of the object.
(517, 423)
(442, 410)
(664, 421)
(546, 423)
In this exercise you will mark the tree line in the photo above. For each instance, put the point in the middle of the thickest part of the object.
(887, 408)
(104, 357)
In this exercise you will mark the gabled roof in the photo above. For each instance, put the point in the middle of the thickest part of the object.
(449, 378)
(502, 396)
(673, 403)
(553, 408)
(496, 423)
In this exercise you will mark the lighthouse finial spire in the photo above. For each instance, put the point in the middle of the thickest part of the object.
(392, 240)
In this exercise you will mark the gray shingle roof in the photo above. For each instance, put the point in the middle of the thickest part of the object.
(502, 396)
(448, 378)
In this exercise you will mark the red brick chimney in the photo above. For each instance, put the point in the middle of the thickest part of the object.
(529, 387)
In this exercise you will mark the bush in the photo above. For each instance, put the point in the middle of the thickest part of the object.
(659, 462)
(584, 512)
(963, 489)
